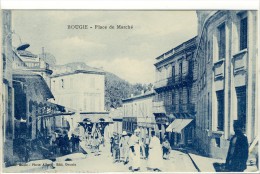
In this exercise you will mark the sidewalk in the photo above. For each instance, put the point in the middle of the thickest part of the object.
(205, 164)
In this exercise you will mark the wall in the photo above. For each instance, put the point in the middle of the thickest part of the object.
(80, 91)
(236, 69)
(7, 88)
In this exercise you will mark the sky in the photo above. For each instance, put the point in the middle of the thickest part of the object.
(128, 53)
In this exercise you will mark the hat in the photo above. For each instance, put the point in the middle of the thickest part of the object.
(124, 133)
(137, 130)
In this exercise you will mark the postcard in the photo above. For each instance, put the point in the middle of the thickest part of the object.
(129, 91)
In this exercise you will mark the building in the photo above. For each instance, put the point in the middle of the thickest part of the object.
(226, 55)
(174, 102)
(81, 90)
(117, 117)
(7, 91)
(33, 62)
(138, 113)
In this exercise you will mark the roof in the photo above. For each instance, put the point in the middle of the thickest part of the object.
(190, 44)
(136, 97)
(33, 82)
(74, 68)
(25, 53)
(178, 124)
(80, 71)
(116, 113)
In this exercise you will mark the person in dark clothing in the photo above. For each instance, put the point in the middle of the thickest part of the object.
(116, 149)
(111, 145)
(76, 140)
(66, 143)
(238, 150)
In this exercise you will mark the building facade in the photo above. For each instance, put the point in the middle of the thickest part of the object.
(176, 92)
(226, 55)
(7, 91)
(33, 62)
(138, 113)
(116, 116)
(82, 91)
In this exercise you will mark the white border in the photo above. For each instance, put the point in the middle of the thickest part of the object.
(132, 4)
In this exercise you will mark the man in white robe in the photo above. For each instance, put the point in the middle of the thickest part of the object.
(124, 147)
(155, 159)
(134, 151)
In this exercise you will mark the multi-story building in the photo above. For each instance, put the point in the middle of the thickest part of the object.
(82, 91)
(175, 97)
(33, 62)
(226, 55)
(138, 113)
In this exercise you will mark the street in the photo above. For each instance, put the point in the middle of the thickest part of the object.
(179, 162)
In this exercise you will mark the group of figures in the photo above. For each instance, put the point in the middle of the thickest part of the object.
(64, 145)
(133, 148)
(57, 143)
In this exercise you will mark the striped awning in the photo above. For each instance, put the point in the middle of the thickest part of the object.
(178, 124)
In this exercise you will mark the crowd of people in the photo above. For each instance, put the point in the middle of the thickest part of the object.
(132, 148)
(62, 145)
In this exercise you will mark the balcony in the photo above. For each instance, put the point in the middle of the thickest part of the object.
(174, 82)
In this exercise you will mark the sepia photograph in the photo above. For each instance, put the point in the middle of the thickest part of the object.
(94, 91)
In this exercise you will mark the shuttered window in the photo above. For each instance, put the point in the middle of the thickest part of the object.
(222, 41)
(243, 33)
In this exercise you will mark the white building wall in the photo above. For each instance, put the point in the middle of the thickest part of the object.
(80, 91)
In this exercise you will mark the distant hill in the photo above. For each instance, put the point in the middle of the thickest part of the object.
(116, 88)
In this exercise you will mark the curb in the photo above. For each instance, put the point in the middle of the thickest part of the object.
(193, 162)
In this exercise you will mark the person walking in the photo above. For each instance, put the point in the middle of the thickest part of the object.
(95, 145)
(124, 147)
(238, 150)
(134, 153)
(166, 149)
(116, 150)
(111, 145)
(147, 142)
(155, 159)
(142, 146)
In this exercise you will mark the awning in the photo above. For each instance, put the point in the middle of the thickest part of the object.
(34, 83)
(178, 124)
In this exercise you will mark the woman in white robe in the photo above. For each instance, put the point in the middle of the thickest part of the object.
(155, 159)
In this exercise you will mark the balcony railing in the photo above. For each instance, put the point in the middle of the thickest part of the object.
(177, 80)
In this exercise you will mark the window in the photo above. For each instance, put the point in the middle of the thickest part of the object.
(221, 109)
(243, 33)
(241, 105)
(173, 73)
(180, 70)
(222, 42)
(62, 83)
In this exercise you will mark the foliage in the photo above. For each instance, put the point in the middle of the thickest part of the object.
(117, 89)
